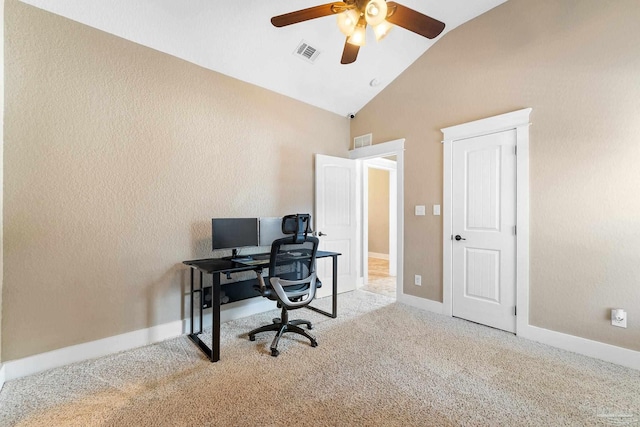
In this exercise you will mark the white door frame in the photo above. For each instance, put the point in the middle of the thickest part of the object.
(518, 120)
(391, 167)
(391, 148)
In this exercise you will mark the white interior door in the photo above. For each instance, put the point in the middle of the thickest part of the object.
(336, 220)
(483, 226)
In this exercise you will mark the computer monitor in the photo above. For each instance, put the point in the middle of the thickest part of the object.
(270, 230)
(232, 233)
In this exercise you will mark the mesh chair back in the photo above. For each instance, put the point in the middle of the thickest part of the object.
(291, 260)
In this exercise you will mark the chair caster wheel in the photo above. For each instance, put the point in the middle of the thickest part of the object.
(314, 343)
(276, 320)
(274, 352)
(309, 327)
(252, 337)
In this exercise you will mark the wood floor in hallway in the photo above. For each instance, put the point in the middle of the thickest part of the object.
(379, 280)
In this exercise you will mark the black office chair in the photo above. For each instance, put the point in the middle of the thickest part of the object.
(292, 279)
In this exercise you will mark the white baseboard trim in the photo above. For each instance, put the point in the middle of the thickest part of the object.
(597, 350)
(378, 255)
(90, 350)
(248, 307)
(3, 375)
(586, 347)
(422, 303)
(76, 353)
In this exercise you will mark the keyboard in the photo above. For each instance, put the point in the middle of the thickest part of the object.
(251, 258)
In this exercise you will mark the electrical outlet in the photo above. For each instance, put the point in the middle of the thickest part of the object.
(418, 280)
(619, 317)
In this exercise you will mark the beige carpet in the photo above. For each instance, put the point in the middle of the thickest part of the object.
(380, 363)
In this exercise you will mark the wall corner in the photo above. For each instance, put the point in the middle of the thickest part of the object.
(1, 179)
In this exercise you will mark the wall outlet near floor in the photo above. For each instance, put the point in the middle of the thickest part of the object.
(418, 280)
(619, 317)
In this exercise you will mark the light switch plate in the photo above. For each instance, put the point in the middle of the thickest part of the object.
(436, 209)
(420, 210)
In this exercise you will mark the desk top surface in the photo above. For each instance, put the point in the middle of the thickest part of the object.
(230, 265)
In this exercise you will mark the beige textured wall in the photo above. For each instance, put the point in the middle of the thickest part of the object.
(577, 63)
(1, 162)
(378, 211)
(117, 156)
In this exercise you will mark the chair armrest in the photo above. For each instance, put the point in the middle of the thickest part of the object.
(286, 297)
(262, 287)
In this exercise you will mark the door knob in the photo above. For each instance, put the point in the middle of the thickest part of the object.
(459, 237)
(320, 234)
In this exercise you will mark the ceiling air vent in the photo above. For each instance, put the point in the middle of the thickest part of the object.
(306, 52)
(362, 140)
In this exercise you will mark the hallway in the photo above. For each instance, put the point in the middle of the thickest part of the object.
(379, 280)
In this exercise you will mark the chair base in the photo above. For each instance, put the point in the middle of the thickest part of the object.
(282, 325)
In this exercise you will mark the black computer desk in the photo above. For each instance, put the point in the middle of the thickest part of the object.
(227, 266)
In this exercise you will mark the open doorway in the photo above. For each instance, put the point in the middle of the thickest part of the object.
(382, 155)
(379, 211)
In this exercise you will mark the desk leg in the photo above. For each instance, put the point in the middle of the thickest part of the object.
(334, 303)
(191, 302)
(200, 301)
(213, 352)
(215, 318)
(192, 292)
(334, 297)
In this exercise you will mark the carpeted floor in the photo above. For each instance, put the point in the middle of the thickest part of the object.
(380, 363)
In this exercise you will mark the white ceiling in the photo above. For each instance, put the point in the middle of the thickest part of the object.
(236, 38)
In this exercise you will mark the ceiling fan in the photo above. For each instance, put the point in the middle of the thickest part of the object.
(354, 16)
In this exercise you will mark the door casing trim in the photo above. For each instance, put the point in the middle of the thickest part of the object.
(391, 148)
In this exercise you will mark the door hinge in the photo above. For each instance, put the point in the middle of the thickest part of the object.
(515, 311)
(515, 230)
(452, 237)
(515, 150)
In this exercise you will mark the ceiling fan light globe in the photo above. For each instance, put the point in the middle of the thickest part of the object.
(375, 11)
(382, 29)
(347, 21)
(358, 37)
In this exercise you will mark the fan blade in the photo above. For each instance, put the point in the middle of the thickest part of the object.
(414, 21)
(307, 14)
(350, 53)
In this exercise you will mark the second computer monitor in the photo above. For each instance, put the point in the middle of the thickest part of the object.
(270, 230)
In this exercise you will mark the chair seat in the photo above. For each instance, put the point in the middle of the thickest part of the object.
(269, 293)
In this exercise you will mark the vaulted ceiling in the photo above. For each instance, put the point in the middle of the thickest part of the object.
(237, 39)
